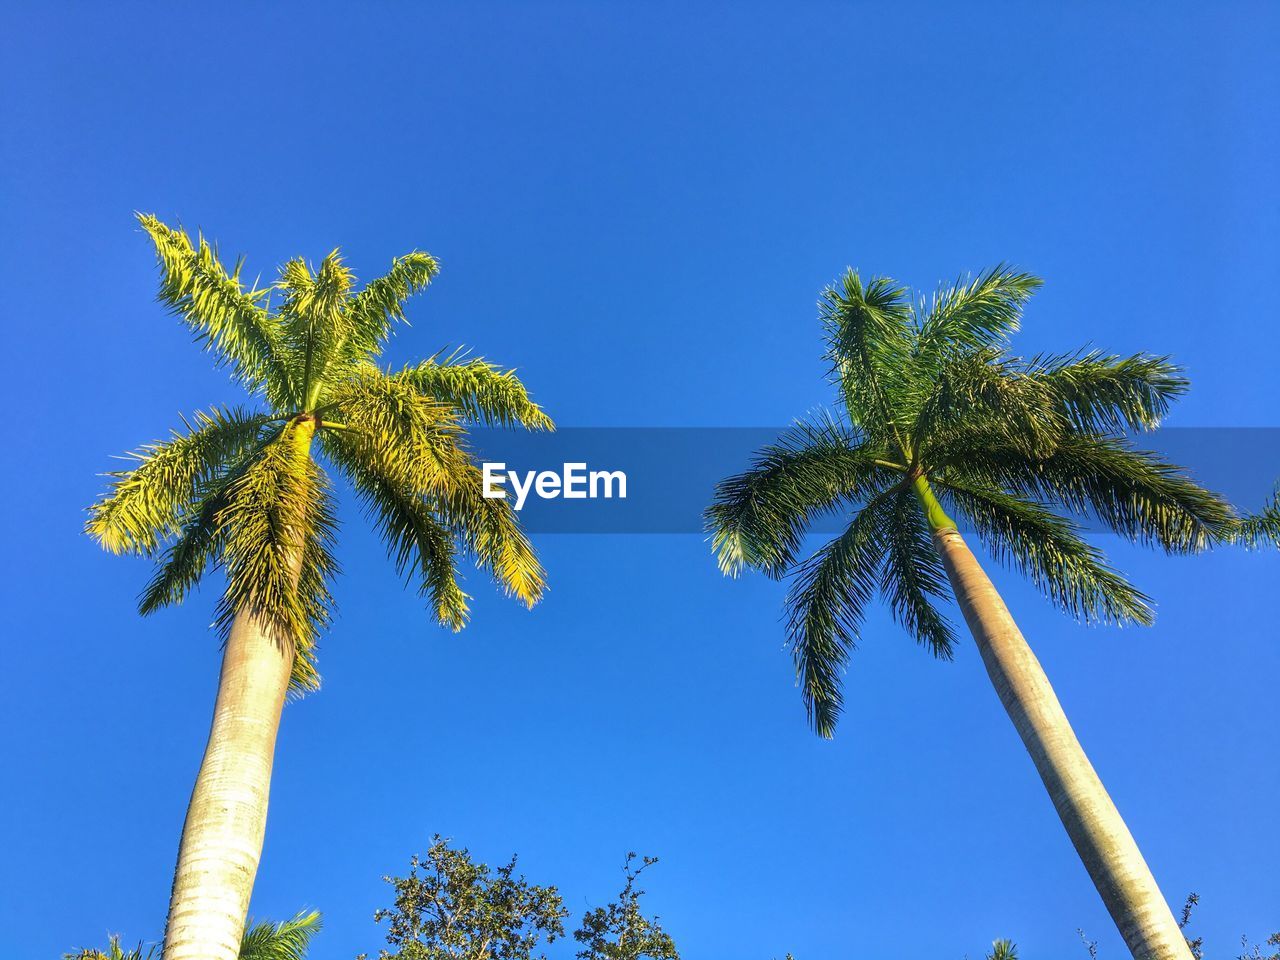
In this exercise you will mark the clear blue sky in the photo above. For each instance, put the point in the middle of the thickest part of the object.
(637, 206)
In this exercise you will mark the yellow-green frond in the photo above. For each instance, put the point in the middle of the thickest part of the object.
(417, 542)
(381, 303)
(146, 505)
(196, 286)
(278, 524)
(479, 390)
(490, 530)
(415, 442)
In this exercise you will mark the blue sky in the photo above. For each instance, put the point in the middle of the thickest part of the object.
(637, 206)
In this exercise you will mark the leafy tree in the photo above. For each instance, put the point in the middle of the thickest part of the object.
(241, 489)
(288, 940)
(1003, 950)
(620, 930)
(943, 420)
(451, 908)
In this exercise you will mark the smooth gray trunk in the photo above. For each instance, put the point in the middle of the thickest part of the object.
(227, 817)
(1093, 823)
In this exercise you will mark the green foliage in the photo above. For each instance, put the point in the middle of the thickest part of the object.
(227, 319)
(113, 952)
(1262, 528)
(941, 418)
(288, 940)
(479, 389)
(241, 489)
(1003, 950)
(450, 907)
(620, 930)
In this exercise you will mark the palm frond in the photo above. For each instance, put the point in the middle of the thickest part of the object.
(1101, 393)
(381, 303)
(1135, 493)
(759, 517)
(1259, 529)
(146, 505)
(479, 390)
(279, 524)
(1049, 551)
(416, 540)
(977, 314)
(185, 560)
(489, 530)
(415, 440)
(315, 318)
(399, 426)
(869, 341)
(913, 577)
(287, 940)
(196, 287)
(979, 392)
(826, 605)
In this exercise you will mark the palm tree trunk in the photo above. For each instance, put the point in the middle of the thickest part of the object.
(227, 817)
(1100, 836)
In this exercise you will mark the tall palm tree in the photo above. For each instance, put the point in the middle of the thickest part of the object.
(240, 489)
(942, 419)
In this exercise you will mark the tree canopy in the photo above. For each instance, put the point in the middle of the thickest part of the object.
(237, 487)
(941, 418)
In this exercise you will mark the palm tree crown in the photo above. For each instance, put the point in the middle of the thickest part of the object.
(238, 488)
(941, 419)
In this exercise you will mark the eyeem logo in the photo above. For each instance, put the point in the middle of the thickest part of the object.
(574, 482)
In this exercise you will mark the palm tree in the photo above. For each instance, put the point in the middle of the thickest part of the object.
(241, 489)
(942, 419)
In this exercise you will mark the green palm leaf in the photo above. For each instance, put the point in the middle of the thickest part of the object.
(381, 303)
(827, 603)
(1049, 551)
(146, 505)
(1261, 528)
(478, 390)
(759, 518)
(416, 540)
(211, 301)
(287, 940)
(913, 578)
(868, 327)
(1101, 393)
(976, 314)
